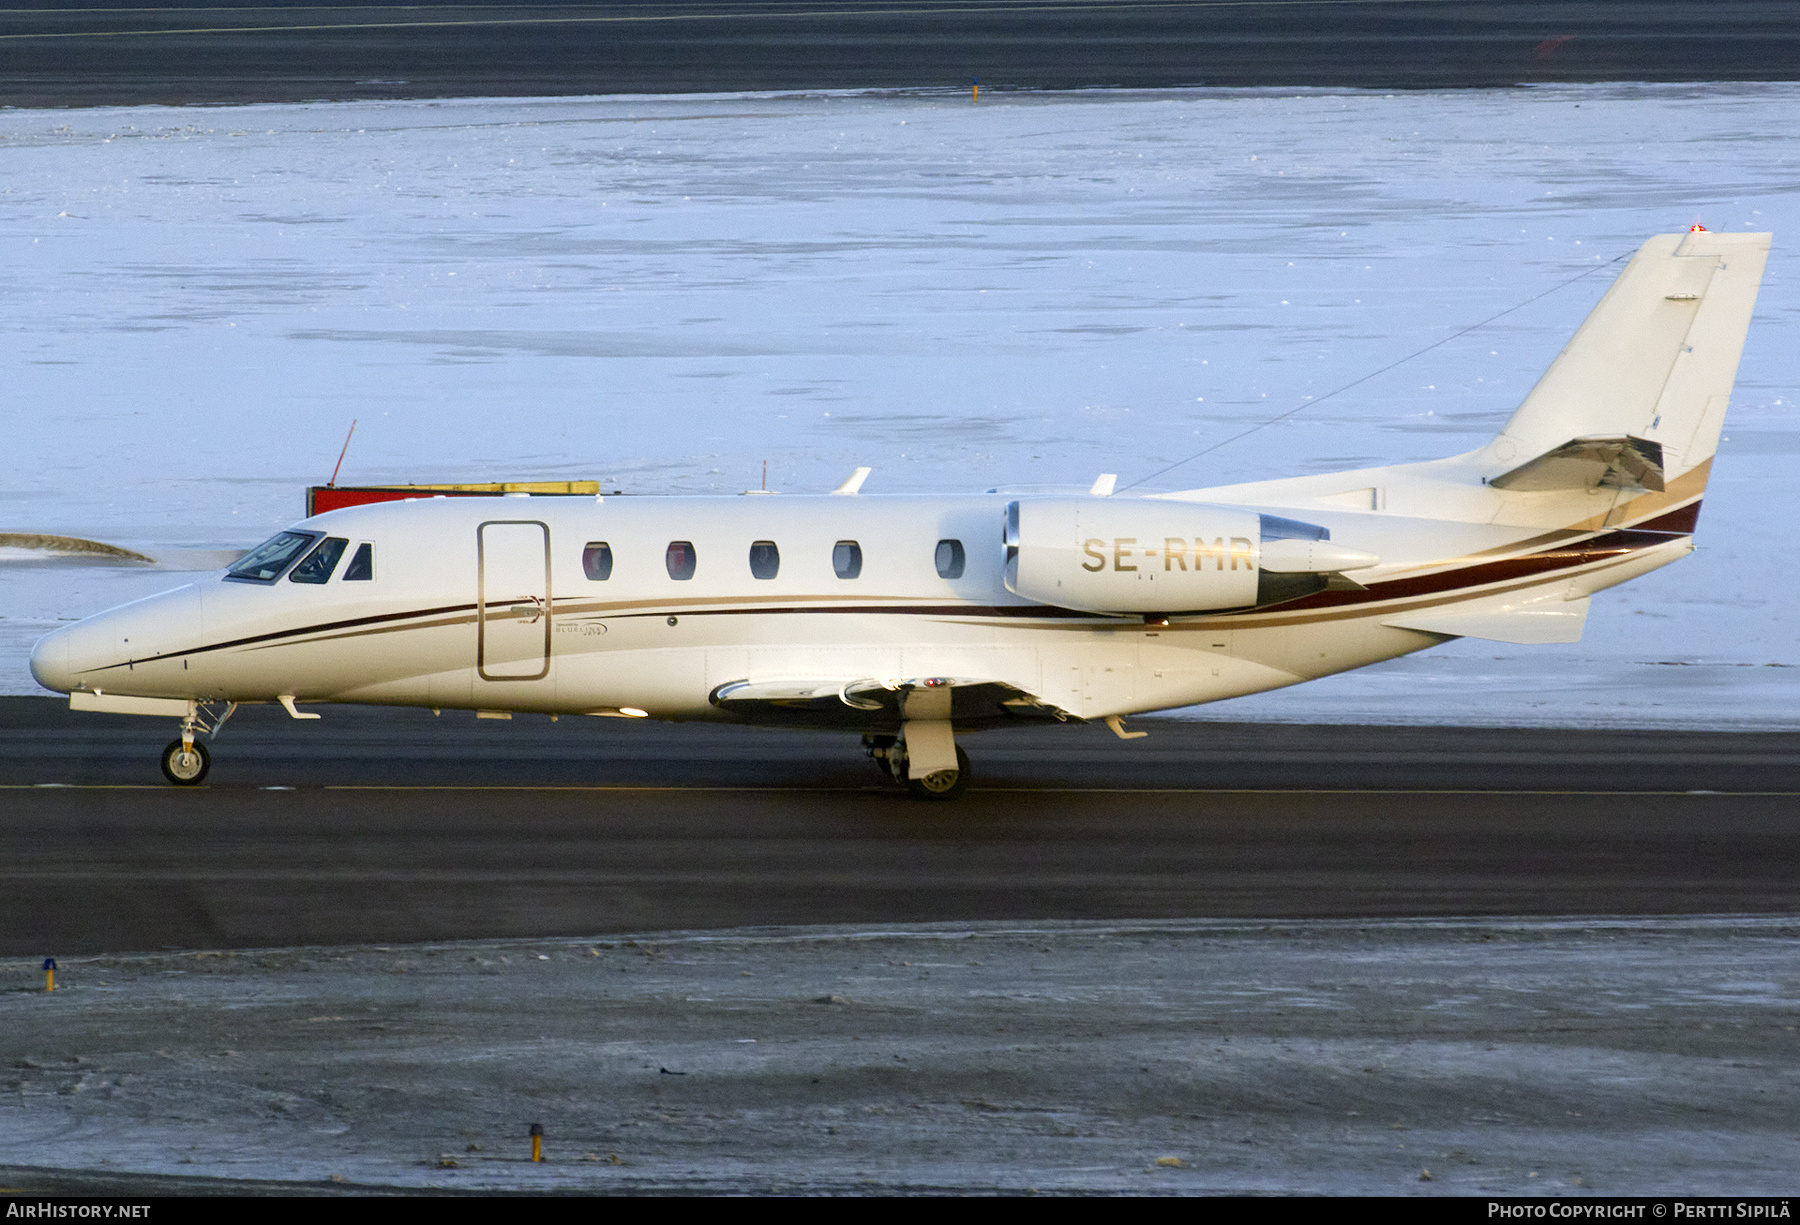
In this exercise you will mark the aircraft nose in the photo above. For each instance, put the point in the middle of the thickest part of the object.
(50, 662)
(89, 653)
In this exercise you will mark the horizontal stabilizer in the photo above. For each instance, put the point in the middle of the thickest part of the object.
(1527, 623)
(1616, 461)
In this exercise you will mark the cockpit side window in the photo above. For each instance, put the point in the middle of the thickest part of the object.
(362, 565)
(266, 561)
(320, 562)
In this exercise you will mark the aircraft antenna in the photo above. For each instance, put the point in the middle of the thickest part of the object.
(332, 483)
(1280, 417)
(765, 484)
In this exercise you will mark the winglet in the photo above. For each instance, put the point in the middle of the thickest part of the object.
(1103, 487)
(854, 484)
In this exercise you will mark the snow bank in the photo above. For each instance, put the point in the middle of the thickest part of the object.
(661, 293)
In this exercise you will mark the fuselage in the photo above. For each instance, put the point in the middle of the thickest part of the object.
(649, 605)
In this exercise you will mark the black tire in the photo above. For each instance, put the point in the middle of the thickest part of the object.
(183, 768)
(936, 786)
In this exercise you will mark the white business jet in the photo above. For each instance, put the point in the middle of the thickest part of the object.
(913, 619)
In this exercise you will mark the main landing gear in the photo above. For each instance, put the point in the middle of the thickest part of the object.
(941, 784)
(890, 756)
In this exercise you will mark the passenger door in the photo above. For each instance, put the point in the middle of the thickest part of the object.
(512, 609)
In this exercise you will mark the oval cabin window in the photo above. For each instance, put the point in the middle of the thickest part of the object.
(846, 558)
(765, 559)
(680, 560)
(596, 560)
(950, 559)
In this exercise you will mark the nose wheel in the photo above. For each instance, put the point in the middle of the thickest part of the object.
(185, 763)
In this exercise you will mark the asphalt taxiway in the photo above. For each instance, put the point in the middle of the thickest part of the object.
(377, 826)
(133, 52)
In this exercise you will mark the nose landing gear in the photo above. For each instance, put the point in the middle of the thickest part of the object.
(185, 762)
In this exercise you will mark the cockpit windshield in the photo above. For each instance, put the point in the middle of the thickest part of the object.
(320, 562)
(266, 561)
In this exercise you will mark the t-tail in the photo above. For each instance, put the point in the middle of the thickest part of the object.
(1637, 399)
(1619, 432)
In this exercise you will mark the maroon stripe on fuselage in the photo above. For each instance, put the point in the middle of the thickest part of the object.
(278, 635)
(1604, 547)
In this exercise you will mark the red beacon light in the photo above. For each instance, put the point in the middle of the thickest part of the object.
(1696, 229)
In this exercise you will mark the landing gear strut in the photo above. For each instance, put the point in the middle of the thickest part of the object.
(883, 752)
(186, 761)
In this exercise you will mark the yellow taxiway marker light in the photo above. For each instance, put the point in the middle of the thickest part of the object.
(537, 1141)
(49, 973)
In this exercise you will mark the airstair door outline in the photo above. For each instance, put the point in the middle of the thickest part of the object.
(512, 600)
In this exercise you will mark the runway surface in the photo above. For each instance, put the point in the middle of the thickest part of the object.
(123, 54)
(370, 826)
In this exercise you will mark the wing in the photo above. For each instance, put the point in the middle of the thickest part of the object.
(883, 703)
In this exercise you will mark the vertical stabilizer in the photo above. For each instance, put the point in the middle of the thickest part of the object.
(1621, 429)
(1654, 361)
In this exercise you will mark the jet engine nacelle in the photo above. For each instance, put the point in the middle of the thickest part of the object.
(1142, 555)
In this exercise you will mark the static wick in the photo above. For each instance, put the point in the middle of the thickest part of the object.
(49, 973)
(332, 483)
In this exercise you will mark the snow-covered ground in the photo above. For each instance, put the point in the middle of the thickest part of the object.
(664, 292)
(1518, 1057)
